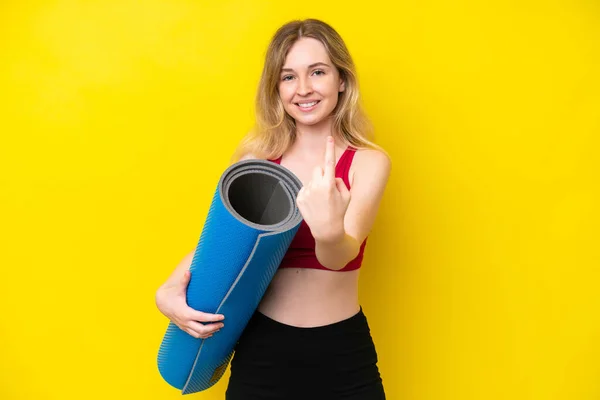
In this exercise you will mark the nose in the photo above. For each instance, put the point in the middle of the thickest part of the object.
(304, 87)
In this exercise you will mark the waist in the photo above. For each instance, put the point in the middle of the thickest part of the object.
(309, 297)
(342, 327)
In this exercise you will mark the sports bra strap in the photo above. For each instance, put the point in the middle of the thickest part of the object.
(342, 167)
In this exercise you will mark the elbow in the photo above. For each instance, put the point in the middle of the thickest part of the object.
(339, 262)
(337, 255)
(334, 266)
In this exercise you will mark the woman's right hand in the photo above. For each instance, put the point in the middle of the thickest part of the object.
(171, 301)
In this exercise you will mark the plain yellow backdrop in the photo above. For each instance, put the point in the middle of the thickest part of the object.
(482, 272)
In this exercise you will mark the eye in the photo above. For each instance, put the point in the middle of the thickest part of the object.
(319, 72)
(287, 78)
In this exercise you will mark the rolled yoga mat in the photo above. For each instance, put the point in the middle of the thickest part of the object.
(251, 222)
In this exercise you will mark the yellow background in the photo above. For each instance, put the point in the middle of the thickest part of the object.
(482, 275)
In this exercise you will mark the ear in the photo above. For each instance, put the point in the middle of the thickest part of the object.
(342, 85)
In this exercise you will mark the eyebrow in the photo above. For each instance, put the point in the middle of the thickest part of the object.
(309, 67)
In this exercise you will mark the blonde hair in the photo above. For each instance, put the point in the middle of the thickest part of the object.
(275, 130)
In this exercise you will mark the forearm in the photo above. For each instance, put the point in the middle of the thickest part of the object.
(336, 254)
(178, 272)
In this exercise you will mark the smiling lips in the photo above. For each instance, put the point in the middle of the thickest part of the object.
(309, 106)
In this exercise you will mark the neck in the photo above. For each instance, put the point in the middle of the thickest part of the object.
(312, 137)
(309, 144)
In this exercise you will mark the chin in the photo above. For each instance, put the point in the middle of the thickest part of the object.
(308, 121)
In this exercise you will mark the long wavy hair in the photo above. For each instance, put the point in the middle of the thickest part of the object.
(274, 129)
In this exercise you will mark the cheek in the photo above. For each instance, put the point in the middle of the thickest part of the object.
(327, 87)
(286, 92)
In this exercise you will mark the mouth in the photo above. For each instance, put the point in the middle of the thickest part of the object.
(308, 106)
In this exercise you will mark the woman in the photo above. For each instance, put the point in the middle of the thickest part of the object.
(309, 337)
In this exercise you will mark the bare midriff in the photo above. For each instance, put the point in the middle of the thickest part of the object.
(305, 297)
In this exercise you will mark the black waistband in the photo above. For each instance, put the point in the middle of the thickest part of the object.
(356, 322)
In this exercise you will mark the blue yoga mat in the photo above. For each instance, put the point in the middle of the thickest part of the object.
(251, 222)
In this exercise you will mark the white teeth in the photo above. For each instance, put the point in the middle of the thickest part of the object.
(306, 105)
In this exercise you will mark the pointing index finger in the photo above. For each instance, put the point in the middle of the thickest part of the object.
(330, 159)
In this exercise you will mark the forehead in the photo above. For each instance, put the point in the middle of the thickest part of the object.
(304, 52)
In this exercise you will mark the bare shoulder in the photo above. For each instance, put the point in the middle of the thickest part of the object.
(373, 164)
(248, 156)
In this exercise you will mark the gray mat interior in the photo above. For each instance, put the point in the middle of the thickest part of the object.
(259, 198)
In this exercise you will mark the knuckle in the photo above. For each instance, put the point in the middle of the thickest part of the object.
(205, 330)
(192, 333)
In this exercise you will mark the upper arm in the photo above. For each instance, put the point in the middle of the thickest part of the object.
(371, 173)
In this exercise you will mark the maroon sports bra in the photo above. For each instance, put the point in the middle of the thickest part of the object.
(301, 253)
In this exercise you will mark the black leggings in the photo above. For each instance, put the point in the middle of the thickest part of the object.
(278, 361)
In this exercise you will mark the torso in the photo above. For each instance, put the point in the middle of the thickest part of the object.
(311, 297)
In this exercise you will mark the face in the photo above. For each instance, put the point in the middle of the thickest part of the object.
(309, 83)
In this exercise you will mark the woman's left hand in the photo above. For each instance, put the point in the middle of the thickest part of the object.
(324, 200)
